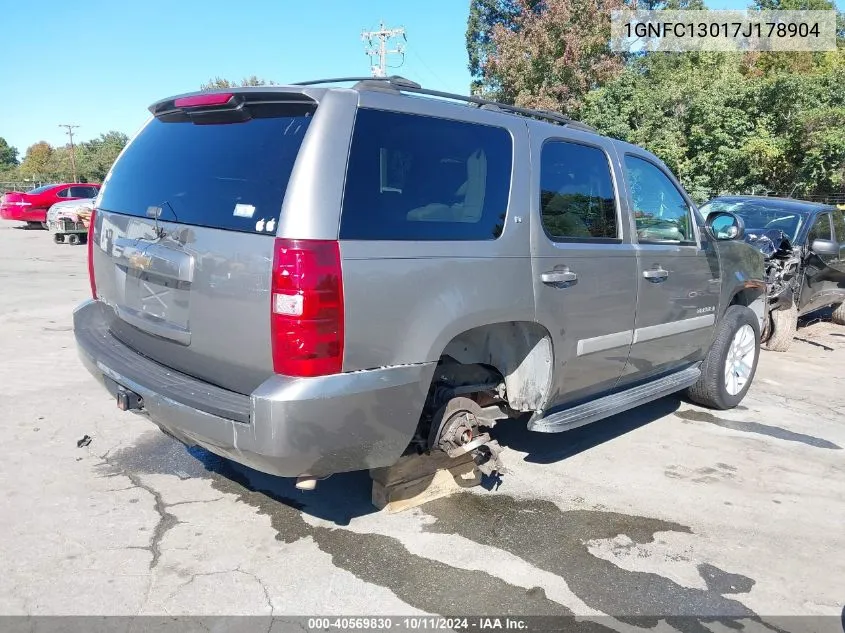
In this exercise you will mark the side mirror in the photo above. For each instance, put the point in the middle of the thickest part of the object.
(723, 225)
(825, 247)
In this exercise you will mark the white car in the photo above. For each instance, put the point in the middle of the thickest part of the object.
(67, 207)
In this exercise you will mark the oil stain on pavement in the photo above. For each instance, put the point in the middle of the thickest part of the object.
(537, 531)
(756, 427)
(556, 541)
(421, 582)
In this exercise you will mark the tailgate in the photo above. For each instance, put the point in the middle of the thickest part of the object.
(183, 240)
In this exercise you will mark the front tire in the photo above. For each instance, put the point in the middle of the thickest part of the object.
(838, 315)
(730, 365)
(782, 324)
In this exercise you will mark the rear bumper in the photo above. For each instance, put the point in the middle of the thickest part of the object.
(23, 214)
(287, 426)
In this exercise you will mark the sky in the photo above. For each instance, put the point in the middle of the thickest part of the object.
(100, 63)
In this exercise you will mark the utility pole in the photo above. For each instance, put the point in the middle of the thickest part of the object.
(383, 35)
(70, 129)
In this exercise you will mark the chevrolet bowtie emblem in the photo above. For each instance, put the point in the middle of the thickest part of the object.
(140, 261)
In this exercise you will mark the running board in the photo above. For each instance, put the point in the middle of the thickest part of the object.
(594, 410)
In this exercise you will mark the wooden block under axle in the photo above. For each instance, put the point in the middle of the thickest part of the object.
(417, 479)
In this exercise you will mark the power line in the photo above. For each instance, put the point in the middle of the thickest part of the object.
(70, 128)
(427, 67)
(383, 36)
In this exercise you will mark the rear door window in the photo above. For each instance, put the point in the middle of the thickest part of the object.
(577, 200)
(63, 193)
(225, 175)
(413, 177)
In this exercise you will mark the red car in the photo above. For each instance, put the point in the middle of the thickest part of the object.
(31, 207)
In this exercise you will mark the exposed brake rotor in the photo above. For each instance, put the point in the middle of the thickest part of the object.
(455, 431)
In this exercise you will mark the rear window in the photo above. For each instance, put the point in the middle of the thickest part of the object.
(41, 189)
(228, 176)
(414, 177)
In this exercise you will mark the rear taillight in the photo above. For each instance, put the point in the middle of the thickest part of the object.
(306, 308)
(91, 253)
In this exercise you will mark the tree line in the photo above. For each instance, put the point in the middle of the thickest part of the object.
(42, 162)
(723, 122)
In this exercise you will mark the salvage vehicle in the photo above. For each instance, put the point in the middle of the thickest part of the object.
(311, 279)
(804, 246)
(67, 221)
(31, 207)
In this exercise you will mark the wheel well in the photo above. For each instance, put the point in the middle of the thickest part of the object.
(746, 297)
(520, 351)
(754, 298)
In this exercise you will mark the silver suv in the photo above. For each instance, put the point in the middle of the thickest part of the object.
(310, 279)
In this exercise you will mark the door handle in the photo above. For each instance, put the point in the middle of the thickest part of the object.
(656, 275)
(559, 277)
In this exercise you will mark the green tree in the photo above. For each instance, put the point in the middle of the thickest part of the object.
(555, 52)
(95, 157)
(8, 155)
(37, 161)
(722, 126)
(800, 62)
(218, 83)
(484, 17)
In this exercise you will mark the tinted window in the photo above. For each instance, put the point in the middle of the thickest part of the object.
(40, 189)
(660, 210)
(83, 192)
(230, 175)
(421, 178)
(839, 226)
(820, 229)
(63, 193)
(576, 192)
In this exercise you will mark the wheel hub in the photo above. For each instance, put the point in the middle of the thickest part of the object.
(740, 360)
(455, 431)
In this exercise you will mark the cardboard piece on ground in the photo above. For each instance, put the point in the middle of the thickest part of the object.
(417, 479)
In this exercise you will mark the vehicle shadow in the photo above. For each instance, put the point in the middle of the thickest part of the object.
(345, 496)
(338, 499)
(545, 448)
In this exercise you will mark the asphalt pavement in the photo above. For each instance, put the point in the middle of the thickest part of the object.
(667, 510)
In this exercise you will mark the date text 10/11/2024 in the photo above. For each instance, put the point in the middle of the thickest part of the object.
(418, 623)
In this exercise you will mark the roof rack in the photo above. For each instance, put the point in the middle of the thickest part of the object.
(396, 83)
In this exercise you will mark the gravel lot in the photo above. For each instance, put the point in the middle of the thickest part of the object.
(666, 510)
